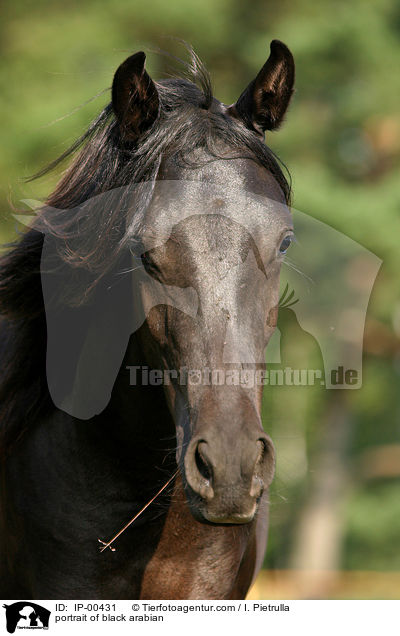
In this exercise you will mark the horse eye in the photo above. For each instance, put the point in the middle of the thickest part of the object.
(285, 244)
(149, 264)
(146, 260)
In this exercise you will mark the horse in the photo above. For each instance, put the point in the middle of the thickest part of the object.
(90, 432)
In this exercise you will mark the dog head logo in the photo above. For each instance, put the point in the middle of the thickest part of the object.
(26, 615)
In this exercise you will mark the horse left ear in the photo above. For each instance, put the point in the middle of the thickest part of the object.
(134, 97)
(263, 104)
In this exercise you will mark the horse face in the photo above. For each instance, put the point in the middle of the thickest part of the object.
(216, 277)
(226, 252)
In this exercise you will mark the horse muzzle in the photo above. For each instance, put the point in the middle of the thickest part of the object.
(226, 475)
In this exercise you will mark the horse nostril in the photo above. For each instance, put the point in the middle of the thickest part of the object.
(198, 470)
(201, 463)
(264, 466)
(262, 450)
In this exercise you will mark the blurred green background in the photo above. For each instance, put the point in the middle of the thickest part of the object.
(335, 502)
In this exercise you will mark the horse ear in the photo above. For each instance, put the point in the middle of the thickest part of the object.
(263, 104)
(134, 97)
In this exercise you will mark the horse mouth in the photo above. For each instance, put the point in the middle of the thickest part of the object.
(220, 513)
(235, 519)
(226, 487)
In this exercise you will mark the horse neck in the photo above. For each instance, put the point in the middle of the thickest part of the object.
(138, 419)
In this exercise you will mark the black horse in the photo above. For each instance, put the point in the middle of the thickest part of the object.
(87, 439)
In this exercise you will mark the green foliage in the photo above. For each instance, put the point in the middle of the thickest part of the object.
(373, 528)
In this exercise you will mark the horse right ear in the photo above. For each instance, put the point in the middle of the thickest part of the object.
(134, 97)
(263, 104)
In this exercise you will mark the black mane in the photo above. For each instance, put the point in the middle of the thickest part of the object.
(104, 162)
